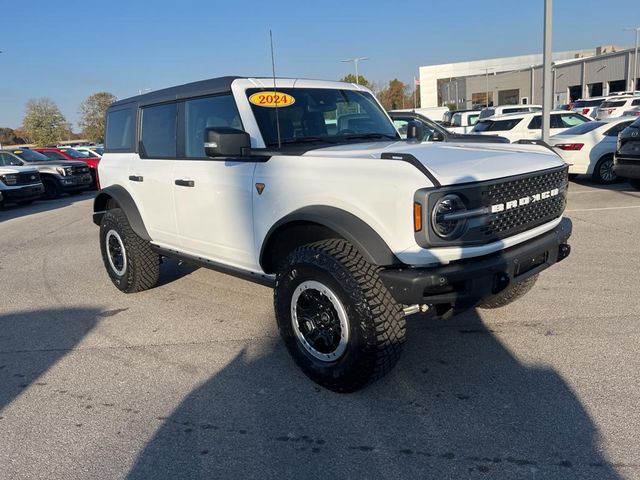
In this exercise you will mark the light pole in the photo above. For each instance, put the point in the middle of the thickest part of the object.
(634, 80)
(486, 79)
(355, 64)
(547, 88)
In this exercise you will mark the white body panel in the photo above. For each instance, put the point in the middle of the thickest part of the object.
(603, 111)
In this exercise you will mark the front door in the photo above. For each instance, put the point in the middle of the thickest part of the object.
(213, 197)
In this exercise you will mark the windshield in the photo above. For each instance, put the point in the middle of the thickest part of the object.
(99, 150)
(322, 115)
(30, 155)
(582, 128)
(587, 103)
(496, 125)
(613, 103)
(73, 153)
(84, 154)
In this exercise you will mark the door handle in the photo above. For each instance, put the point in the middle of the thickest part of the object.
(185, 183)
(135, 178)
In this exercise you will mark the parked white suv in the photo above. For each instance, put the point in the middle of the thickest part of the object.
(616, 106)
(463, 122)
(20, 185)
(527, 126)
(307, 187)
(506, 109)
(588, 106)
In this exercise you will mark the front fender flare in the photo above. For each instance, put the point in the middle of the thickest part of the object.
(348, 226)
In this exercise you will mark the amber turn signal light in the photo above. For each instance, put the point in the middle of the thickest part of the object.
(417, 217)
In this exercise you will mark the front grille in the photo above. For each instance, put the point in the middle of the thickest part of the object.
(79, 170)
(528, 216)
(28, 178)
(504, 207)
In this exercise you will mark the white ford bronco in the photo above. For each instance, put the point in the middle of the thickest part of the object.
(306, 186)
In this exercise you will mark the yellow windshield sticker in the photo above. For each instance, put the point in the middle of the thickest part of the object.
(272, 99)
(17, 152)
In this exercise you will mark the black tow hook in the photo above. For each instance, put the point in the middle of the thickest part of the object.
(563, 251)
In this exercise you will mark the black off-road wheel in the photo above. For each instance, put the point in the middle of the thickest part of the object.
(603, 171)
(634, 182)
(510, 294)
(130, 261)
(336, 317)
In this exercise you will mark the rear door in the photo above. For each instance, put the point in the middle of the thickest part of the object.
(150, 176)
(213, 197)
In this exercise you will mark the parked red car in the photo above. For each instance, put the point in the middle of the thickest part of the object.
(65, 153)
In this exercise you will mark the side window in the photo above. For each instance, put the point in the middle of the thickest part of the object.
(536, 123)
(120, 130)
(159, 131)
(428, 131)
(4, 159)
(472, 119)
(204, 113)
(401, 125)
(635, 102)
(616, 129)
(456, 121)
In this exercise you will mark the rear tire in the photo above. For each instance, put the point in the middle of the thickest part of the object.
(130, 261)
(634, 182)
(336, 317)
(603, 172)
(509, 294)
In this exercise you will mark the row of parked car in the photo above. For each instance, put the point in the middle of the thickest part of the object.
(28, 174)
(585, 136)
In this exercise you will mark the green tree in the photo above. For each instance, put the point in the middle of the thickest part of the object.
(395, 96)
(351, 78)
(92, 113)
(44, 122)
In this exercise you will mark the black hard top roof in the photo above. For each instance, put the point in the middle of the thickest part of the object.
(211, 86)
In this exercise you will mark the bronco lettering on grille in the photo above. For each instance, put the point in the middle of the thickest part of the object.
(501, 207)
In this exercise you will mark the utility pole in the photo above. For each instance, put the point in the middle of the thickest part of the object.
(547, 92)
(486, 79)
(634, 80)
(355, 63)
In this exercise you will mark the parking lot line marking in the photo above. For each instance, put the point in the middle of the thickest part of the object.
(603, 208)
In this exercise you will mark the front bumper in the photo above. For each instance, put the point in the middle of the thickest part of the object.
(22, 194)
(75, 182)
(466, 282)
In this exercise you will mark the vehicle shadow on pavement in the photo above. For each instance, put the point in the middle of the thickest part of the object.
(11, 211)
(32, 342)
(458, 405)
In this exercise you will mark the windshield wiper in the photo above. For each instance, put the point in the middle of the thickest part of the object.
(290, 141)
(371, 135)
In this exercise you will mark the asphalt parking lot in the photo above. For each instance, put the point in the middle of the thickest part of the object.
(190, 380)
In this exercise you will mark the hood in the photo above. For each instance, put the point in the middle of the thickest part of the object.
(452, 163)
(16, 169)
(470, 137)
(58, 163)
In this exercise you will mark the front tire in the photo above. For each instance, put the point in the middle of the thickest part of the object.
(130, 261)
(510, 294)
(51, 189)
(336, 317)
(603, 172)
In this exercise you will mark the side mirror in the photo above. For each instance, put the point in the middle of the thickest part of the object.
(437, 136)
(415, 132)
(226, 142)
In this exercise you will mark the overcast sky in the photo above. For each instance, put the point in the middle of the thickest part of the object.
(67, 50)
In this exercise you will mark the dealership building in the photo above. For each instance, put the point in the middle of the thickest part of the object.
(510, 80)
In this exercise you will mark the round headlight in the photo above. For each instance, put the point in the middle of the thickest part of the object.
(443, 218)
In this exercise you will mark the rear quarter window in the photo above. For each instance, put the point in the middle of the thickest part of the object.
(496, 125)
(120, 130)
